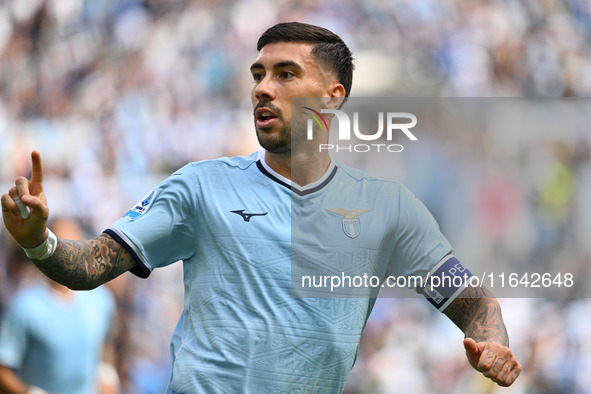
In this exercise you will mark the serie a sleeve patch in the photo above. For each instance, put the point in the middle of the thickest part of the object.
(142, 206)
(445, 282)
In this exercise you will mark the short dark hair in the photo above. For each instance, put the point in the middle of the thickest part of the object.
(329, 49)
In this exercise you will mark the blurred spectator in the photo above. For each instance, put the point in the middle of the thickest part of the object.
(52, 339)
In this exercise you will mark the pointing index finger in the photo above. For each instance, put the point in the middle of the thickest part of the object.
(37, 171)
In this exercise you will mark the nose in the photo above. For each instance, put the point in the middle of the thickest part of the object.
(265, 90)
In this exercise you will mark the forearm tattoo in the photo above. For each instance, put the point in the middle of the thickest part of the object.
(478, 314)
(83, 265)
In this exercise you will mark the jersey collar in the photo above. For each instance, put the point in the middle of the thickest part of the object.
(301, 190)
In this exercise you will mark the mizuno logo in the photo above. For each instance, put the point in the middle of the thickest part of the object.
(247, 216)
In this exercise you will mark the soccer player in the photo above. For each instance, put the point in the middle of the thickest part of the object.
(229, 221)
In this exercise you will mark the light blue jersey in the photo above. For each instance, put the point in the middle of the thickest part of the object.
(230, 221)
(53, 343)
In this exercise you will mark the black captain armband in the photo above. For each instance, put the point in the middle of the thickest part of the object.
(445, 282)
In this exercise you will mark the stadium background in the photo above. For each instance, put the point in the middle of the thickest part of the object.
(116, 94)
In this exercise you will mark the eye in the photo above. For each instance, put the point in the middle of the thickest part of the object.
(287, 75)
(257, 77)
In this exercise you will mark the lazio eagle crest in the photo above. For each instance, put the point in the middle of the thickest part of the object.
(351, 224)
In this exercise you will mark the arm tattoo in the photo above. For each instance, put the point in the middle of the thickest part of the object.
(478, 314)
(83, 265)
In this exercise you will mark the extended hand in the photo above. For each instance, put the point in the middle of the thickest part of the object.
(32, 231)
(494, 360)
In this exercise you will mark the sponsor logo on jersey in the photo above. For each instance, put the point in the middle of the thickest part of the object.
(350, 221)
(247, 216)
(142, 206)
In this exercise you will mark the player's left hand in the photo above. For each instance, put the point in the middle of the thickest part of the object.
(494, 360)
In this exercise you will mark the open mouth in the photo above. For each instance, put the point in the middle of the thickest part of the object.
(265, 117)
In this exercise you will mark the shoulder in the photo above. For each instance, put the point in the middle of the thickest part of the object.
(224, 163)
(30, 293)
(206, 172)
(28, 299)
(218, 172)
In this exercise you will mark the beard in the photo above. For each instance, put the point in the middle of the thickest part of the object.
(282, 141)
(278, 143)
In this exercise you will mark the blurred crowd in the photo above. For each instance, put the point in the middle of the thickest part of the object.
(117, 94)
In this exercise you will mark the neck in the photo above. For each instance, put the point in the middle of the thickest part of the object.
(307, 167)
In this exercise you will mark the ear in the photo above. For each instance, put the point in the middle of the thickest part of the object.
(336, 96)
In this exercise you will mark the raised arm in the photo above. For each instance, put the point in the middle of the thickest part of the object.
(76, 264)
(478, 314)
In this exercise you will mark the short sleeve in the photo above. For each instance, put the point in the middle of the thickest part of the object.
(418, 242)
(159, 229)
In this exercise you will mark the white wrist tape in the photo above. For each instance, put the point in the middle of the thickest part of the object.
(45, 250)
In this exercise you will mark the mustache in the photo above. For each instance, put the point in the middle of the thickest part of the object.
(267, 104)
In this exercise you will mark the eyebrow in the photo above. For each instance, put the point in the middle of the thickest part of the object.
(283, 64)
